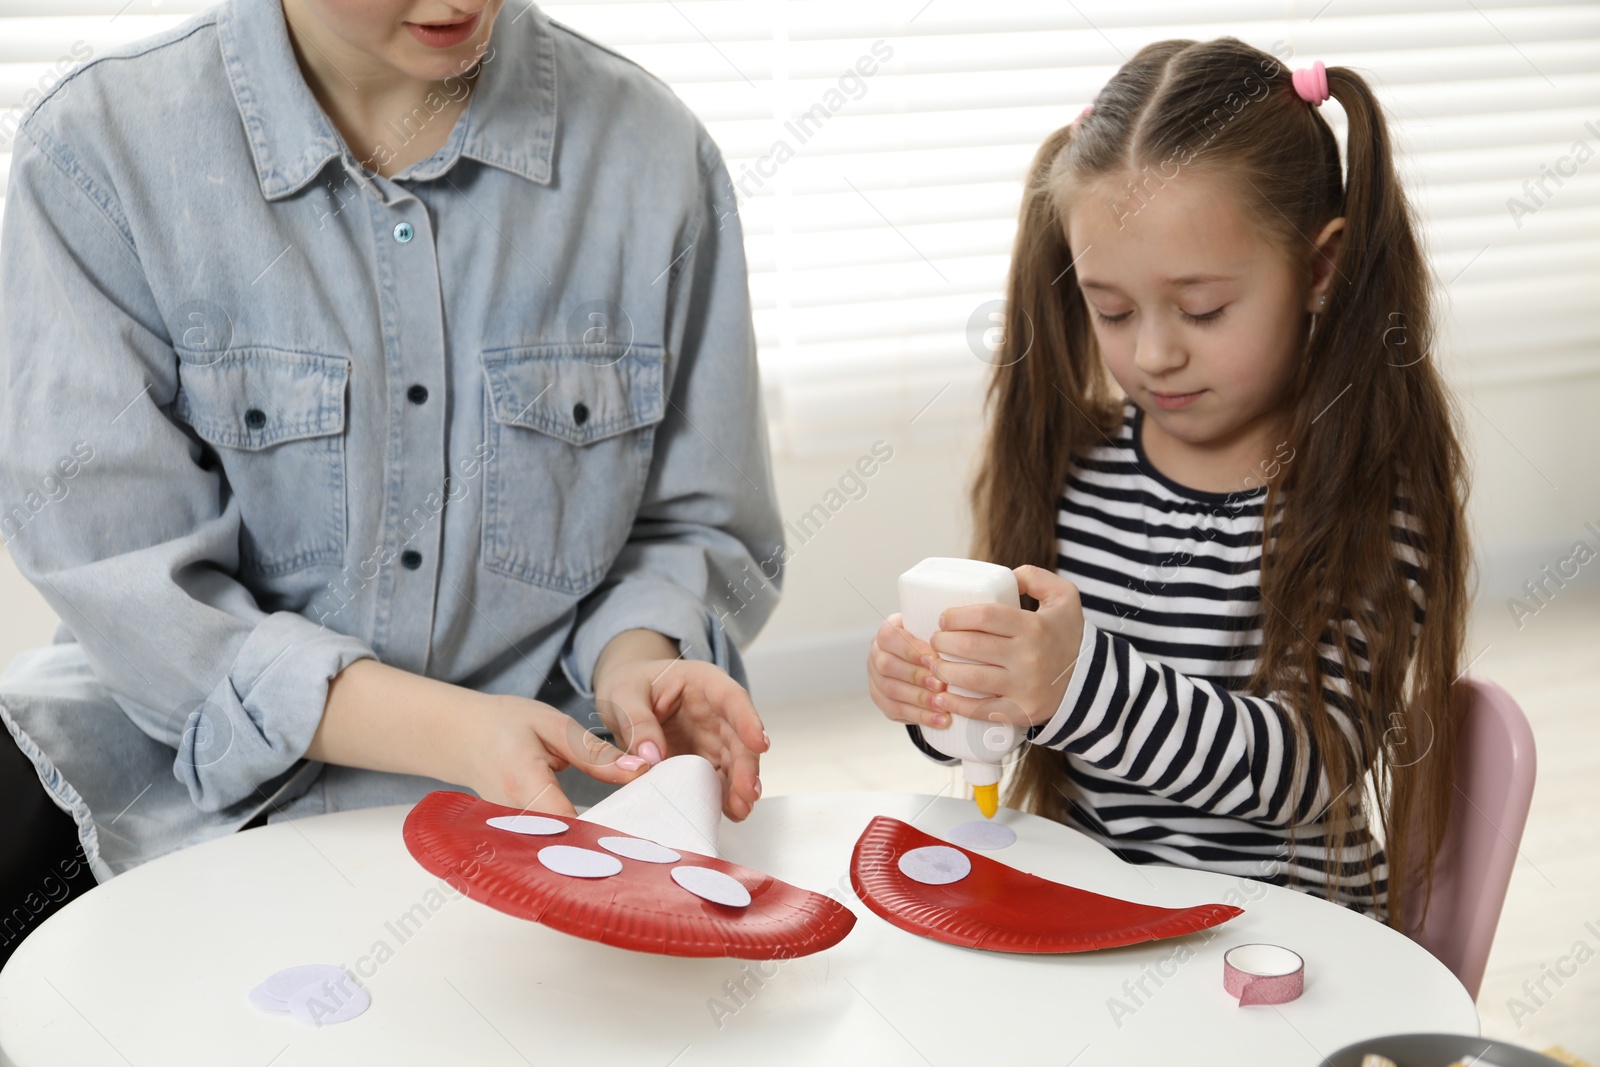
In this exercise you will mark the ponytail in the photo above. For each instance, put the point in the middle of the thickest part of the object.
(1049, 398)
(1405, 418)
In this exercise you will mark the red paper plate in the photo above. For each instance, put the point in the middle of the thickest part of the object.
(641, 908)
(1003, 909)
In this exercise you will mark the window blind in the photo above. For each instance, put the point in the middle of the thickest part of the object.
(877, 149)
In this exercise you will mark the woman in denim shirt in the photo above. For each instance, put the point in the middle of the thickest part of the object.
(379, 414)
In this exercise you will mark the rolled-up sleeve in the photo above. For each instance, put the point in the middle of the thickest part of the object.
(108, 512)
(704, 561)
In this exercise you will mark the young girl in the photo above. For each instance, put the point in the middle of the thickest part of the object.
(1199, 692)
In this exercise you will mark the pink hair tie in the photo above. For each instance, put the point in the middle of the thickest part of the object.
(1312, 83)
(1083, 114)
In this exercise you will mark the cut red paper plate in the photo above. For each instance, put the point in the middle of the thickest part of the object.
(1000, 908)
(643, 907)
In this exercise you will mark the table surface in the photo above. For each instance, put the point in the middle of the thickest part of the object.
(153, 967)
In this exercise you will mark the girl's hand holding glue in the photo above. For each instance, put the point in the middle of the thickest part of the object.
(1024, 658)
(989, 725)
(900, 678)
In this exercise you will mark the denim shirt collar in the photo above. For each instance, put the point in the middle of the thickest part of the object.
(509, 123)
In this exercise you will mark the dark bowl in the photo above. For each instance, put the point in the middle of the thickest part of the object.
(1439, 1050)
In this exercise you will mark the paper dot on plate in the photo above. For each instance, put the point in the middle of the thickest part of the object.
(935, 864)
(579, 862)
(711, 885)
(637, 848)
(528, 824)
(982, 833)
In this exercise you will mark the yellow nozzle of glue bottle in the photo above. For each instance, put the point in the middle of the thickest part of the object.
(988, 799)
(982, 748)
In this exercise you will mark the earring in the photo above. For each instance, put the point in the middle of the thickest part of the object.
(1322, 302)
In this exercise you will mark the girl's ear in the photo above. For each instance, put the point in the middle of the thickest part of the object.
(1324, 261)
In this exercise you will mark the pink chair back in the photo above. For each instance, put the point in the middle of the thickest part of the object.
(1495, 767)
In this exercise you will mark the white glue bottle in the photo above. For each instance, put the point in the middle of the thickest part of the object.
(941, 582)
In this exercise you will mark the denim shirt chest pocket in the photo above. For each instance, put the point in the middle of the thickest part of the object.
(570, 429)
(276, 419)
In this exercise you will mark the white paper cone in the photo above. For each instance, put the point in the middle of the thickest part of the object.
(677, 803)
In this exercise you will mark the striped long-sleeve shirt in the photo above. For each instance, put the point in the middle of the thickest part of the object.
(1164, 758)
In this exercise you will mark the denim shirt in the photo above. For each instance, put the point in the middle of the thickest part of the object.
(264, 413)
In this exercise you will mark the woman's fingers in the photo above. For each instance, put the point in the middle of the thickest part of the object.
(731, 703)
(744, 780)
(704, 711)
(628, 713)
(566, 740)
(547, 796)
(730, 727)
(705, 691)
(539, 791)
(694, 729)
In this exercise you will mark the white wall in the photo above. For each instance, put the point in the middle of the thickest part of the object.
(1536, 482)
(842, 581)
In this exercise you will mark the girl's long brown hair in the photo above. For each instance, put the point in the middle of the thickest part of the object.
(1370, 421)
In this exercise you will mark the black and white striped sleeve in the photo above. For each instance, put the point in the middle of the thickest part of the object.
(1191, 740)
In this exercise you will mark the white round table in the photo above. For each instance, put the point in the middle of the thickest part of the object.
(153, 967)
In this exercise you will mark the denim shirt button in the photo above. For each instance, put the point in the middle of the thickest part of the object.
(403, 232)
(417, 394)
(255, 418)
(411, 559)
(580, 413)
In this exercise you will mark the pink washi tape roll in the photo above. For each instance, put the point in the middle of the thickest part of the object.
(1263, 974)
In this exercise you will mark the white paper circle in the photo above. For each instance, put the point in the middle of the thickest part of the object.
(275, 990)
(935, 864)
(982, 833)
(579, 862)
(637, 848)
(265, 1001)
(528, 824)
(314, 993)
(711, 885)
(318, 1005)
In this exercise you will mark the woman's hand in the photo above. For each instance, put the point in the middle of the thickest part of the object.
(658, 704)
(505, 748)
(511, 747)
(1025, 658)
(899, 678)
